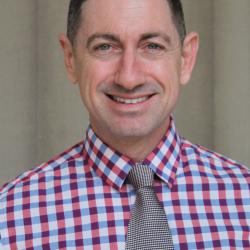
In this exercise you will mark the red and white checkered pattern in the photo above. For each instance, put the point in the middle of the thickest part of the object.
(80, 200)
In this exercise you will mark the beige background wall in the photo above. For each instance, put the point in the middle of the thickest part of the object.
(41, 113)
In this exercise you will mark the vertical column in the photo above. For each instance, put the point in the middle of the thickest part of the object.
(18, 87)
(61, 117)
(232, 78)
(194, 114)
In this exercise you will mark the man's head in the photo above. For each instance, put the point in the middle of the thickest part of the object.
(129, 63)
(74, 18)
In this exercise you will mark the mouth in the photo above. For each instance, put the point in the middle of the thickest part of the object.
(122, 100)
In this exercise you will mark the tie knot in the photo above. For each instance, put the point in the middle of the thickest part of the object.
(141, 176)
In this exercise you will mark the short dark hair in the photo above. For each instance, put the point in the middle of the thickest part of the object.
(74, 18)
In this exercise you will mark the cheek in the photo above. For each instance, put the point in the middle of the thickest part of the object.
(85, 81)
(92, 74)
(95, 72)
(166, 75)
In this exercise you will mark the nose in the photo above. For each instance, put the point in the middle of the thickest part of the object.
(129, 72)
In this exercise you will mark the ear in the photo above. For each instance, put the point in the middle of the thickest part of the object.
(69, 58)
(189, 52)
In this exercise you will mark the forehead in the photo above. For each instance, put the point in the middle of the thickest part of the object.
(126, 17)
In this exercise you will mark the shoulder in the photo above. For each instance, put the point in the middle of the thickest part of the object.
(57, 163)
(212, 164)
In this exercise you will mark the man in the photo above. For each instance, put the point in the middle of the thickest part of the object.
(130, 59)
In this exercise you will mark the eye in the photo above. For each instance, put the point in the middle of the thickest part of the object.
(104, 46)
(105, 49)
(154, 46)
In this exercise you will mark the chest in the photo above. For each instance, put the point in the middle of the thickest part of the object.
(200, 216)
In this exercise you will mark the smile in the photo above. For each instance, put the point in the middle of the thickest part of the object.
(129, 100)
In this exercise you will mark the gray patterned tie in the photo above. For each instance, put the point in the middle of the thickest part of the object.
(148, 228)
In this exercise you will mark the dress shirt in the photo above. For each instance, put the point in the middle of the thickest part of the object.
(80, 199)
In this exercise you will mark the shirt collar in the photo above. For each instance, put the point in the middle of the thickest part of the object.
(113, 167)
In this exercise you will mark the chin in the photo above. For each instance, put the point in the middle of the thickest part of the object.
(131, 131)
(132, 128)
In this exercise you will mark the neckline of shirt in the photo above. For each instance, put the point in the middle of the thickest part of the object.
(113, 167)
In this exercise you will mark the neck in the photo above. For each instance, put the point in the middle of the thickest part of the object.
(136, 148)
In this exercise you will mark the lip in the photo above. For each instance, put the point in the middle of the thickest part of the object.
(128, 99)
(129, 96)
(132, 100)
(126, 108)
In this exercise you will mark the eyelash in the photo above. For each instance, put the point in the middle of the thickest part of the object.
(109, 49)
(101, 46)
(108, 46)
(155, 45)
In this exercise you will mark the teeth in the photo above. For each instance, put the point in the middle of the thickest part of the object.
(129, 101)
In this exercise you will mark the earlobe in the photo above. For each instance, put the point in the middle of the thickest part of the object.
(188, 57)
(69, 59)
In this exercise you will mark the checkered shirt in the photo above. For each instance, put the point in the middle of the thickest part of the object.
(80, 200)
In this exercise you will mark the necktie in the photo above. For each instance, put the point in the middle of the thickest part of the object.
(148, 228)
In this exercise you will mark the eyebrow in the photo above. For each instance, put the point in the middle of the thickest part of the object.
(114, 38)
(105, 36)
(149, 35)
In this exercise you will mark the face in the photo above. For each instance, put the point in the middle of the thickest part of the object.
(129, 64)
